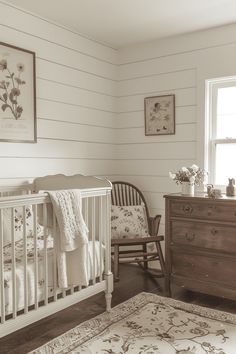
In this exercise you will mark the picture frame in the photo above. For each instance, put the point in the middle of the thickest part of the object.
(159, 115)
(17, 94)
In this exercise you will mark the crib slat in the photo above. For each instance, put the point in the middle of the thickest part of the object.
(86, 213)
(25, 261)
(100, 233)
(93, 241)
(2, 270)
(35, 257)
(45, 268)
(54, 257)
(86, 210)
(107, 220)
(72, 286)
(14, 309)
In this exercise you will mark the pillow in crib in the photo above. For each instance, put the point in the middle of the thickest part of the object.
(18, 224)
(128, 221)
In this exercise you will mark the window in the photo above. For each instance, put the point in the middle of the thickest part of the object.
(220, 153)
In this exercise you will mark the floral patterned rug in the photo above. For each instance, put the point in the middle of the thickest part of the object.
(150, 324)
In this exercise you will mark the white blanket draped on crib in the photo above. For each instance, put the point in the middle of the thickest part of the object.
(72, 242)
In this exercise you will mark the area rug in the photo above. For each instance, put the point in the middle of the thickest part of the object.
(150, 324)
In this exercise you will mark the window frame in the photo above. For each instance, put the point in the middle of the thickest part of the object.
(211, 141)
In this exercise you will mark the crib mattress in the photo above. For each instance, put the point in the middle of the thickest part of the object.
(19, 257)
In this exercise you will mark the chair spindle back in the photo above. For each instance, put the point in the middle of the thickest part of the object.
(124, 193)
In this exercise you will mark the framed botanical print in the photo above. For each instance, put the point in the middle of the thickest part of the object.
(17, 94)
(159, 115)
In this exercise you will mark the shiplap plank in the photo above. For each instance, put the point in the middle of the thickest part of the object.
(174, 80)
(183, 97)
(72, 113)
(158, 66)
(210, 59)
(15, 181)
(153, 183)
(184, 132)
(150, 167)
(70, 76)
(58, 54)
(129, 119)
(181, 62)
(194, 41)
(134, 119)
(59, 92)
(157, 200)
(158, 211)
(180, 150)
(161, 231)
(70, 131)
(57, 149)
(22, 167)
(55, 33)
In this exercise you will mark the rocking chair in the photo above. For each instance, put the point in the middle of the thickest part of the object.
(126, 194)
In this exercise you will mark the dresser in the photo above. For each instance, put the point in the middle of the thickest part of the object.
(200, 244)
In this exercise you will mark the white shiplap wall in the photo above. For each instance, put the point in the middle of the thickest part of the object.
(76, 82)
(90, 103)
(178, 65)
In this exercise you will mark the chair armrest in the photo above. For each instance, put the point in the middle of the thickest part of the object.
(154, 222)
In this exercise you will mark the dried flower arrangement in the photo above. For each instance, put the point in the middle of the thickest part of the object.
(193, 174)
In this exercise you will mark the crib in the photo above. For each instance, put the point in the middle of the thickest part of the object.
(29, 288)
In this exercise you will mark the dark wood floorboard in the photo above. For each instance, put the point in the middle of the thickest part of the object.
(132, 281)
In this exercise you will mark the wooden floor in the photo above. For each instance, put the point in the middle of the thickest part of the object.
(133, 281)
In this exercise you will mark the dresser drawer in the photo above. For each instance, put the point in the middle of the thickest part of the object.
(197, 234)
(204, 210)
(204, 268)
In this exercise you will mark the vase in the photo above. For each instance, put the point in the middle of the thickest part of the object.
(187, 188)
(231, 189)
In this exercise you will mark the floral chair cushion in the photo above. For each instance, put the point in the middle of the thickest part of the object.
(128, 221)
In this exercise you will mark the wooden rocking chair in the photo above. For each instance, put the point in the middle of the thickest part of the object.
(126, 194)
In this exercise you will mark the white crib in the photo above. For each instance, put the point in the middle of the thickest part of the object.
(28, 267)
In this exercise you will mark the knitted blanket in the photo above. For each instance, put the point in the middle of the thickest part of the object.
(73, 238)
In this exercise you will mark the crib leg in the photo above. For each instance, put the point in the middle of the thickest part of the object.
(108, 302)
(109, 289)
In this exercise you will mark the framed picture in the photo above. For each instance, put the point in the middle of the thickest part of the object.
(17, 94)
(159, 115)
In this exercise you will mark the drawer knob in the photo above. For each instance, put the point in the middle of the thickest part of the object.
(187, 209)
(214, 231)
(190, 237)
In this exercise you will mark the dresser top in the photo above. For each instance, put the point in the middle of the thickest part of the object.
(199, 196)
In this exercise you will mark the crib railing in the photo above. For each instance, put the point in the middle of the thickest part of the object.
(40, 301)
(11, 203)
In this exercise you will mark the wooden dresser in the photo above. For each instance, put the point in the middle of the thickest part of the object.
(201, 244)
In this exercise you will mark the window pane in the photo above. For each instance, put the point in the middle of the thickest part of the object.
(225, 163)
(226, 112)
